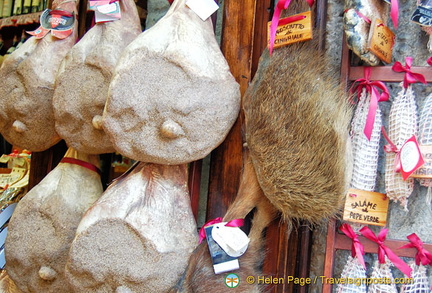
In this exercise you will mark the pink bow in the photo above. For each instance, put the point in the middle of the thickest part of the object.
(392, 148)
(373, 88)
(384, 250)
(357, 248)
(232, 223)
(281, 5)
(423, 256)
(410, 77)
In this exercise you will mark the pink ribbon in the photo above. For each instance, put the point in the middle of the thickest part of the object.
(232, 223)
(361, 15)
(423, 256)
(373, 88)
(384, 250)
(281, 5)
(392, 148)
(357, 249)
(429, 61)
(410, 77)
(394, 12)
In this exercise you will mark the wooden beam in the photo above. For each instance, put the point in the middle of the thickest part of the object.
(226, 160)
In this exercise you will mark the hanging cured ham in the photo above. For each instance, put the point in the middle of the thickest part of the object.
(90, 64)
(28, 76)
(184, 99)
(297, 119)
(138, 236)
(43, 225)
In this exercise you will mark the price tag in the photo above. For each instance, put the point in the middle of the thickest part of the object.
(231, 239)
(366, 207)
(203, 8)
(105, 11)
(425, 171)
(410, 157)
(381, 41)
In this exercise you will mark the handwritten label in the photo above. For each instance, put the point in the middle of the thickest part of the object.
(425, 171)
(381, 41)
(293, 32)
(366, 207)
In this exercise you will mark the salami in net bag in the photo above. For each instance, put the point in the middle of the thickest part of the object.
(423, 257)
(382, 278)
(365, 132)
(402, 125)
(425, 138)
(355, 268)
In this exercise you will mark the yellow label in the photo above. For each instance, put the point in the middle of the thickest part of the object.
(381, 41)
(366, 207)
(13, 177)
(425, 171)
(293, 32)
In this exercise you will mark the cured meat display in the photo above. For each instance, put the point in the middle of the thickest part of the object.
(138, 236)
(181, 97)
(90, 64)
(297, 119)
(357, 24)
(200, 276)
(43, 225)
(28, 76)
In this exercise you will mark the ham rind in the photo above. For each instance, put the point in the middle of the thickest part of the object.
(138, 236)
(172, 99)
(82, 84)
(28, 76)
(43, 225)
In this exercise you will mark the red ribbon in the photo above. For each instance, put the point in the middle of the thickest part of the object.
(429, 61)
(423, 256)
(373, 88)
(232, 223)
(410, 77)
(394, 12)
(57, 12)
(81, 163)
(357, 249)
(384, 250)
(392, 148)
(281, 5)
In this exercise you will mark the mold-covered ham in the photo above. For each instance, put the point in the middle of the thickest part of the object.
(172, 99)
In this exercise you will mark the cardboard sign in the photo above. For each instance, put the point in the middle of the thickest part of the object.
(425, 171)
(293, 32)
(366, 207)
(381, 41)
(423, 14)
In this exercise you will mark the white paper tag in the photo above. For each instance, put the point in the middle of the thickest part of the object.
(410, 157)
(231, 239)
(203, 8)
(108, 8)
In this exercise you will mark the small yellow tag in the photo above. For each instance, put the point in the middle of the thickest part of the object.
(425, 171)
(366, 207)
(293, 32)
(381, 41)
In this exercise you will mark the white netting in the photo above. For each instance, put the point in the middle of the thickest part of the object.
(382, 279)
(365, 152)
(353, 271)
(425, 137)
(402, 125)
(420, 283)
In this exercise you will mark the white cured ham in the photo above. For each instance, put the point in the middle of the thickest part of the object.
(43, 225)
(82, 84)
(28, 76)
(138, 236)
(172, 98)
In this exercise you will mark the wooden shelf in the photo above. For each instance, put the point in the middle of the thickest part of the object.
(22, 19)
